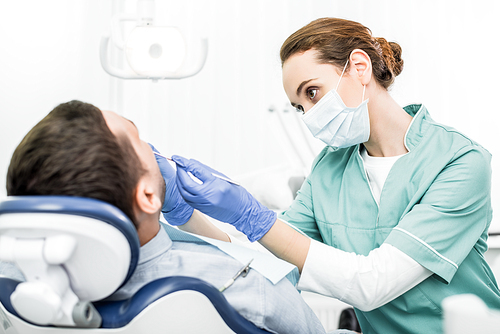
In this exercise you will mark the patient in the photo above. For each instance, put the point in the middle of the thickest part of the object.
(79, 150)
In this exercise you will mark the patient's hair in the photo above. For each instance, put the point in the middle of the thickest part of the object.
(73, 152)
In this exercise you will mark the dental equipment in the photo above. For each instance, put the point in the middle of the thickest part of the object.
(152, 52)
(104, 258)
(216, 175)
(242, 272)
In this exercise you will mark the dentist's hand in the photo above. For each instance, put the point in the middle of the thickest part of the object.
(222, 200)
(175, 210)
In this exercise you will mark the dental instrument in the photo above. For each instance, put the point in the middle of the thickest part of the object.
(216, 175)
(242, 272)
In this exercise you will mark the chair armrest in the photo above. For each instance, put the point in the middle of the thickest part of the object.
(116, 314)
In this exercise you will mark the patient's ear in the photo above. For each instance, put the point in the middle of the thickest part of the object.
(146, 199)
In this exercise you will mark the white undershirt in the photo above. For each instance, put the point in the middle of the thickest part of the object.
(377, 169)
(365, 282)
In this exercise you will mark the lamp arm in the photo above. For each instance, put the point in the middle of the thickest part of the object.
(115, 28)
(111, 70)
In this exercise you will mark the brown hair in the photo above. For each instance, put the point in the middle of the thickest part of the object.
(72, 152)
(335, 39)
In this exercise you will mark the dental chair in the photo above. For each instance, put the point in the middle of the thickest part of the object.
(74, 252)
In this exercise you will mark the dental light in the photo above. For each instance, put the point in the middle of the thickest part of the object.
(152, 52)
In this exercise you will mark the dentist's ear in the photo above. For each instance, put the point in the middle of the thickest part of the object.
(361, 66)
(146, 199)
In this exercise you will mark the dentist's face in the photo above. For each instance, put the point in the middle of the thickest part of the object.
(120, 126)
(306, 81)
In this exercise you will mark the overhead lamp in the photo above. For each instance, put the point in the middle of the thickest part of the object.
(152, 52)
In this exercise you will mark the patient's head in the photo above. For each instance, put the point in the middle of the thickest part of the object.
(77, 150)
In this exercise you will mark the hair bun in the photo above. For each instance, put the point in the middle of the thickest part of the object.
(398, 62)
(391, 52)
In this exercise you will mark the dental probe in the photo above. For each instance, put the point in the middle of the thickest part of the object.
(242, 272)
(216, 175)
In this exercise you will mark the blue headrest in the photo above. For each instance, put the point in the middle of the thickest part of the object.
(79, 206)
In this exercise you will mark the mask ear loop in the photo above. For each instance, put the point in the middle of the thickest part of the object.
(338, 83)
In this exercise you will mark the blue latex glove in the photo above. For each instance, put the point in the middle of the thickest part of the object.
(175, 210)
(222, 200)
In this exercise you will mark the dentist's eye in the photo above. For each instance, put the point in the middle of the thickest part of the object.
(311, 93)
(299, 108)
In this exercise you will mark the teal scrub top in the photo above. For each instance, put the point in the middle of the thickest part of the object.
(435, 206)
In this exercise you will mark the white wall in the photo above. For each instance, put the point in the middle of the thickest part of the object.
(48, 55)
(221, 116)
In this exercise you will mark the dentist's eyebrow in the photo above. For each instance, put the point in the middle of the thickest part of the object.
(299, 89)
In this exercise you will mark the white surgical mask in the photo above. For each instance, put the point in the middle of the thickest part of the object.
(337, 125)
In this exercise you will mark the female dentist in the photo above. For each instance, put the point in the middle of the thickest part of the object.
(394, 215)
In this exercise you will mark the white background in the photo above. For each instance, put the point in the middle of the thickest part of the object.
(49, 54)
